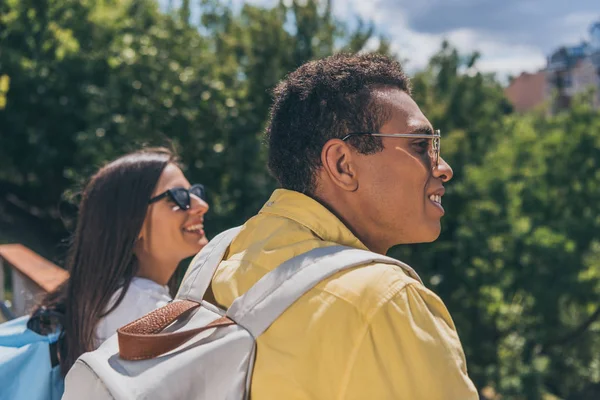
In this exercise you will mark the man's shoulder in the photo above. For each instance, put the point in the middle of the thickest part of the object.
(255, 252)
(368, 287)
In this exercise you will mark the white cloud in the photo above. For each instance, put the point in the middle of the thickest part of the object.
(512, 65)
(576, 25)
(368, 10)
(580, 19)
(497, 55)
(416, 48)
(372, 44)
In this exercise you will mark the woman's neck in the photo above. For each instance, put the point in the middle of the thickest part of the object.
(155, 270)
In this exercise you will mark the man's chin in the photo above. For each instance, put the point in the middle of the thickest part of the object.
(435, 232)
(427, 235)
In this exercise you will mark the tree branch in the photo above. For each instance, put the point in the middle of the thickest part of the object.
(572, 335)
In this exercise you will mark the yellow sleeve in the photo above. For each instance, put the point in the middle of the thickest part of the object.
(410, 350)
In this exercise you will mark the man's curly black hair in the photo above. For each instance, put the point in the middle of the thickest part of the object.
(327, 99)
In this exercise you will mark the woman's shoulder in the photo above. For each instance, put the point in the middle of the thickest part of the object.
(142, 296)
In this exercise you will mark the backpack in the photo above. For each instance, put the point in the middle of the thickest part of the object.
(191, 349)
(29, 367)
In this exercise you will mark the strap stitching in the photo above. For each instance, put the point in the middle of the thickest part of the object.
(346, 267)
(200, 268)
(374, 258)
(267, 293)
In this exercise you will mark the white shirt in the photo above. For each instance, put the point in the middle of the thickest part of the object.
(142, 297)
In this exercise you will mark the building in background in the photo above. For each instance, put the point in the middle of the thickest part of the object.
(527, 91)
(585, 75)
(570, 70)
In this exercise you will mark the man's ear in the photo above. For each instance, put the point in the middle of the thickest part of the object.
(338, 161)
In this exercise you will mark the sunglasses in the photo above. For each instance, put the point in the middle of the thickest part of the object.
(434, 149)
(182, 196)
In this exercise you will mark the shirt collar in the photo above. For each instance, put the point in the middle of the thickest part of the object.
(149, 285)
(313, 215)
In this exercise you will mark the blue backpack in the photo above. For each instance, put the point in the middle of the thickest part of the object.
(29, 367)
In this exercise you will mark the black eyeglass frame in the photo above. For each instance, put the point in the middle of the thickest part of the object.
(435, 140)
(172, 193)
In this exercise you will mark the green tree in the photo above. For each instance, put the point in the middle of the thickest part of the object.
(91, 80)
(517, 262)
(542, 251)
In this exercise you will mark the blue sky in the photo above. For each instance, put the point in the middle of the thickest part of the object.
(512, 35)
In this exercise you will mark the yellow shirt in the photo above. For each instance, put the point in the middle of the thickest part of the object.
(370, 332)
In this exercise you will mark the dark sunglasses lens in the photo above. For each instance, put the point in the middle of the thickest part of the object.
(198, 190)
(182, 197)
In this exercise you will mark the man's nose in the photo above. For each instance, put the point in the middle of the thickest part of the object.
(443, 171)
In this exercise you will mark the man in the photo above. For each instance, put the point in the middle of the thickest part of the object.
(359, 165)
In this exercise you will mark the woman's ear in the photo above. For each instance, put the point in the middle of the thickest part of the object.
(142, 233)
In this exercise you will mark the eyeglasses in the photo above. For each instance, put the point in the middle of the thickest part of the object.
(182, 196)
(434, 149)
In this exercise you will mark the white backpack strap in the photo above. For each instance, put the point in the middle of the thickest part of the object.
(264, 302)
(204, 265)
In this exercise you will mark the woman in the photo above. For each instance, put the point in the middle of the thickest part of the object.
(139, 217)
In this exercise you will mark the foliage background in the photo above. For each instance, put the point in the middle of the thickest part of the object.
(518, 262)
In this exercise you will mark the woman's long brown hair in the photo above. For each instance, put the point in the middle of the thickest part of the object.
(101, 260)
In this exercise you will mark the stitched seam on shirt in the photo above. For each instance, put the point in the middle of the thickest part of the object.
(450, 350)
(394, 291)
(186, 296)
